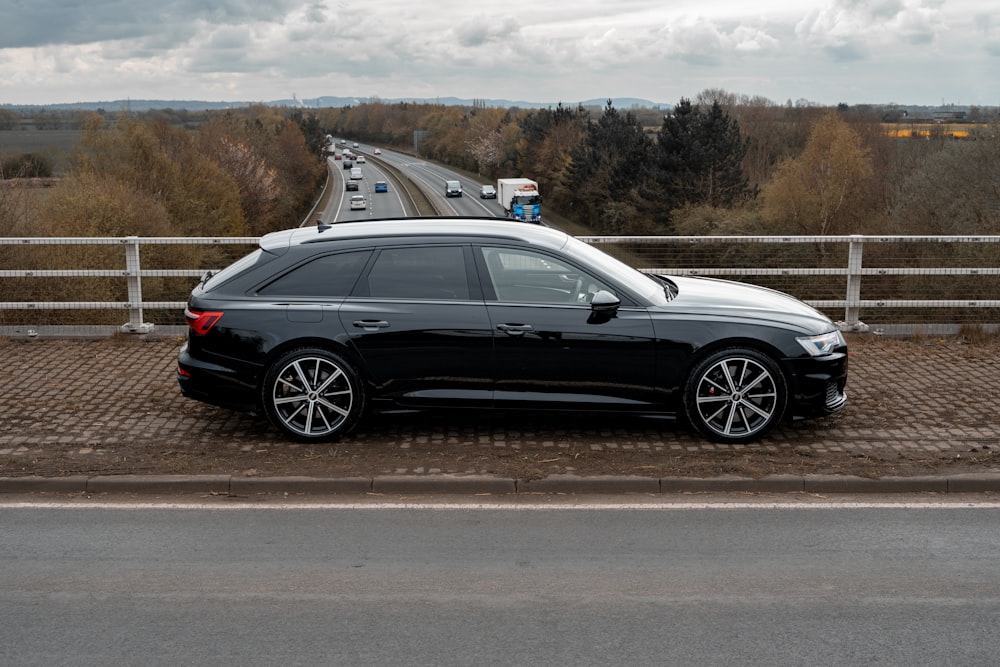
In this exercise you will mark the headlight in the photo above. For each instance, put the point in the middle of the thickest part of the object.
(822, 344)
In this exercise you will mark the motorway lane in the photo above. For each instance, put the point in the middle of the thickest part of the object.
(432, 177)
(257, 583)
(380, 205)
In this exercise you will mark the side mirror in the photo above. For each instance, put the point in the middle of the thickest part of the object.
(604, 302)
(603, 307)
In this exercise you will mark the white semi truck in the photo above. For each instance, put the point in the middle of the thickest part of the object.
(520, 199)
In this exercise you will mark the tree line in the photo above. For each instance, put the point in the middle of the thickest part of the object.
(718, 163)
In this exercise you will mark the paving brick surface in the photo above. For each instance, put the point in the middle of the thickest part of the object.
(67, 403)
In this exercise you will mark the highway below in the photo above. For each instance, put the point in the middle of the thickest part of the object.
(428, 177)
(391, 204)
(431, 178)
(801, 582)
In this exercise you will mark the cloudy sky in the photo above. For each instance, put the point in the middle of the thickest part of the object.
(924, 52)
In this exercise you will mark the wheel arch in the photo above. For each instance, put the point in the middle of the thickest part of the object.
(342, 348)
(762, 346)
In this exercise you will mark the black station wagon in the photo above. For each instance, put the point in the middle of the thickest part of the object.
(321, 324)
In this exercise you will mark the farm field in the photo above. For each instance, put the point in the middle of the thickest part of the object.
(56, 144)
(26, 141)
(927, 130)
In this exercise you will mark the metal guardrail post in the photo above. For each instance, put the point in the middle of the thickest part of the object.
(852, 310)
(133, 274)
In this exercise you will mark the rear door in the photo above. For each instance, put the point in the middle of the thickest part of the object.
(420, 326)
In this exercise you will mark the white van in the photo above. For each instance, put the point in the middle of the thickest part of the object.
(452, 189)
(356, 173)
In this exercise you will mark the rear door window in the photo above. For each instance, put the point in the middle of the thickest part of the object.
(431, 272)
(328, 276)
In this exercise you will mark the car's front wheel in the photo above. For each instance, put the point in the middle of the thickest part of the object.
(735, 395)
(312, 394)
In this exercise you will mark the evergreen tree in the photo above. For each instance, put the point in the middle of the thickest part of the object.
(605, 171)
(698, 161)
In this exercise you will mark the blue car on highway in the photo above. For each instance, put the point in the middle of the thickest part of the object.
(381, 186)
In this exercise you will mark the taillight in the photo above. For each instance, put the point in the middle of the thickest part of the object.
(201, 321)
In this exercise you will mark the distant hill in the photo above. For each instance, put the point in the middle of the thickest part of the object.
(323, 102)
(913, 111)
(619, 102)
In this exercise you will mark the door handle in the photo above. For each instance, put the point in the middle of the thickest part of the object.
(514, 329)
(371, 325)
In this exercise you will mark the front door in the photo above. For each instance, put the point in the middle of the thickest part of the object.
(552, 350)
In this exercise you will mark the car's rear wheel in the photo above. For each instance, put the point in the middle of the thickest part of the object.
(735, 395)
(312, 394)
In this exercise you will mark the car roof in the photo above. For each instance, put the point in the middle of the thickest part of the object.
(473, 228)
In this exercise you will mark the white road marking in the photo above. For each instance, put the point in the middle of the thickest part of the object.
(278, 503)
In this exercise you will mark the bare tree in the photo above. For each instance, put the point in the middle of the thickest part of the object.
(816, 193)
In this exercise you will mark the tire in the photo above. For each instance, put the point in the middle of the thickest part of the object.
(312, 395)
(735, 395)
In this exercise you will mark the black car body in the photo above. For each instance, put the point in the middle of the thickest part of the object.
(320, 324)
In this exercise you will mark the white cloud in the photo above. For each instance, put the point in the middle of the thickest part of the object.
(700, 41)
(753, 40)
(483, 31)
(852, 29)
(554, 51)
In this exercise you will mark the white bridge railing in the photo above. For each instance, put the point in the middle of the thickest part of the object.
(940, 279)
(131, 273)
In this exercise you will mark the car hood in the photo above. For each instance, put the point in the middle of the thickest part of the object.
(725, 298)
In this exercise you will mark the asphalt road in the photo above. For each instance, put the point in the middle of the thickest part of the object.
(805, 583)
(431, 178)
(378, 204)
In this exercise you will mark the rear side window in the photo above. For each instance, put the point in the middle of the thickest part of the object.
(420, 273)
(328, 276)
(236, 268)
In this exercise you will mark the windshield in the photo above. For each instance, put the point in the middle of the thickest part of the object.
(644, 286)
(526, 199)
